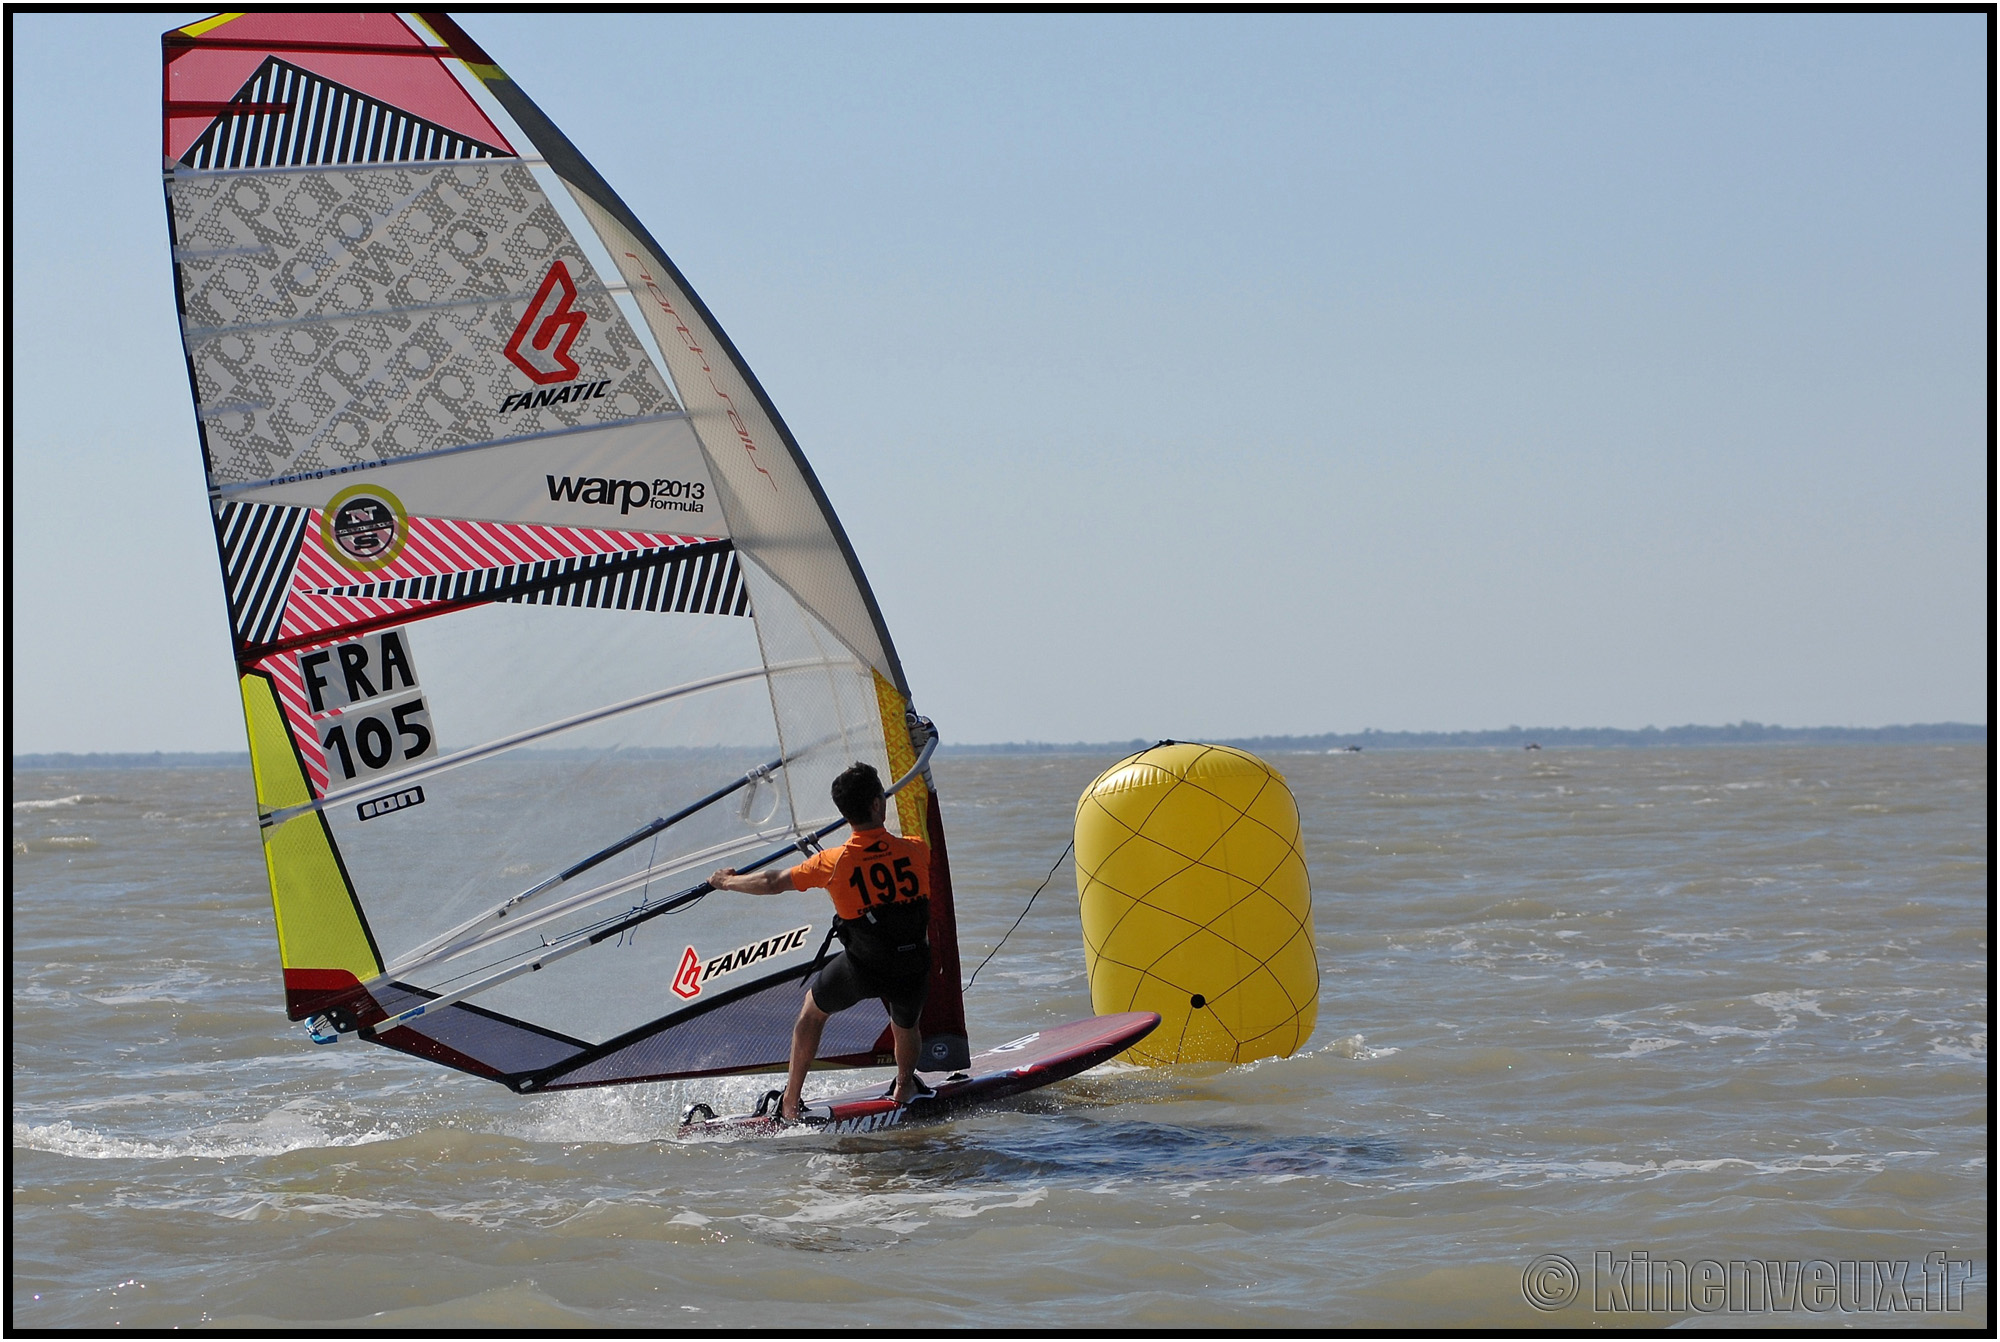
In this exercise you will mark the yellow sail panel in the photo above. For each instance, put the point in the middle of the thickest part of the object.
(913, 802)
(322, 942)
(209, 25)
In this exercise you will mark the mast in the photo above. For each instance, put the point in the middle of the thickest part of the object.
(943, 1021)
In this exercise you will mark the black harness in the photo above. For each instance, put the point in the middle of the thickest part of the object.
(889, 936)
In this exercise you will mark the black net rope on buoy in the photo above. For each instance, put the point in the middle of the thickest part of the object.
(1024, 913)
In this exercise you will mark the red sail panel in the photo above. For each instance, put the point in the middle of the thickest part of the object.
(202, 70)
(321, 604)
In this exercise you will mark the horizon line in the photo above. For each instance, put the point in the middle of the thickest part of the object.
(1746, 731)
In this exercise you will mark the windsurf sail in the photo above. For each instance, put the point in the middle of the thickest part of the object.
(538, 612)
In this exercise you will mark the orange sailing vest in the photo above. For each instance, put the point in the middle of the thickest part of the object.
(870, 870)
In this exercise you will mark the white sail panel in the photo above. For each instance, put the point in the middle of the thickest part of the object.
(636, 475)
(343, 315)
(825, 705)
(776, 512)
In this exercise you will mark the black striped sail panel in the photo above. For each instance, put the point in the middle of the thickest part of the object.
(287, 117)
(539, 613)
(260, 545)
(702, 579)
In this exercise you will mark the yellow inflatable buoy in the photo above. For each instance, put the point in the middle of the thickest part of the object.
(1196, 904)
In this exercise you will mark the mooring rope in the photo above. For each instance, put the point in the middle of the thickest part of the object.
(1024, 913)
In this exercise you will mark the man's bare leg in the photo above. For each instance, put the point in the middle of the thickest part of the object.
(909, 1043)
(806, 1031)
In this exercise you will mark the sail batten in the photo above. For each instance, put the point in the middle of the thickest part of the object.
(425, 958)
(681, 576)
(515, 551)
(473, 754)
(197, 334)
(249, 486)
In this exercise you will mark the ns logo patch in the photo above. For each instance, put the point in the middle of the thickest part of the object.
(363, 527)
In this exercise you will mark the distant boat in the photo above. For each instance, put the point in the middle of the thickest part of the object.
(1532, 745)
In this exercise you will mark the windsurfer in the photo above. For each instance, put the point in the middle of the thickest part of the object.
(880, 884)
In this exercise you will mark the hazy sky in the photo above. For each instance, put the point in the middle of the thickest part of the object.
(1190, 375)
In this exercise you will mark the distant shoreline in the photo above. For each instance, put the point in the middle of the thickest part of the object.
(1514, 738)
(1519, 738)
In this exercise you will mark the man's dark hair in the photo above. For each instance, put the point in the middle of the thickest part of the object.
(855, 791)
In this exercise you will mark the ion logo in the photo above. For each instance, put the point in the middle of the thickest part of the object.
(687, 979)
(548, 328)
(395, 801)
(364, 527)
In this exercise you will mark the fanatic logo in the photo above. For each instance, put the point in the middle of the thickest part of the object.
(548, 328)
(693, 975)
(687, 979)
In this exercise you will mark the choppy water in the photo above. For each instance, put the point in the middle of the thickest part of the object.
(1701, 1004)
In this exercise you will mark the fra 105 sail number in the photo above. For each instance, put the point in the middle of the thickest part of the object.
(369, 715)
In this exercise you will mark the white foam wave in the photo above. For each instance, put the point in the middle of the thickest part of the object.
(45, 803)
(1643, 1045)
(1960, 1048)
(54, 843)
(1488, 1169)
(1353, 1046)
(288, 1128)
(1691, 938)
(286, 1206)
(901, 1213)
(180, 986)
(629, 1115)
(1789, 1004)
(1730, 1031)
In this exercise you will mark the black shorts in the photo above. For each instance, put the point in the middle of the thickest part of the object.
(844, 982)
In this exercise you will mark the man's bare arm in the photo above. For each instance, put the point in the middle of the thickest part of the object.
(765, 882)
